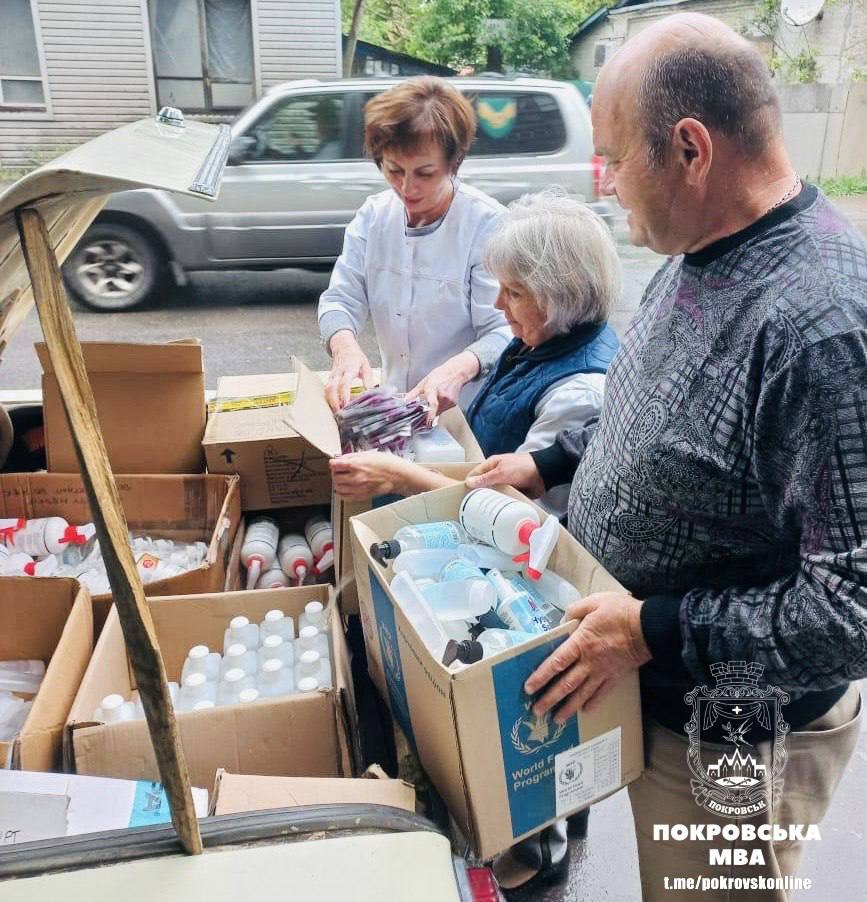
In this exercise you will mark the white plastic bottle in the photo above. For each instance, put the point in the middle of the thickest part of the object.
(423, 563)
(419, 613)
(295, 557)
(275, 679)
(516, 609)
(196, 688)
(200, 659)
(276, 623)
(276, 647)
(512, 526)
(243, 632)
(314, 615)
(307, 684)
(273, 578)
(238, 656)
(463, 599)
(311, 637)
(437, 446)
(486, 556)
(259, 551)
(444, 534)
(205, 704)
(245, 696)
(312, 664)
(113, 709)
(320, 537)
(16, 563)
(48, 535)
(233, 683)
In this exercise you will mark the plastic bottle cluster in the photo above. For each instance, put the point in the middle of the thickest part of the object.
(264, 660)
(275, 562)
(17, 678)
(50, 546)
(477, 586)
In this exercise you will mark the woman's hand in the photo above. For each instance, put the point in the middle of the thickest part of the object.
(366, 474)
(441, 387)
(348, 362)
(517, 470)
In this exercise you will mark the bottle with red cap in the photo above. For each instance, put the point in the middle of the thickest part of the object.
(295, 557)
(259, 551)
(48, 535)
(320, 537)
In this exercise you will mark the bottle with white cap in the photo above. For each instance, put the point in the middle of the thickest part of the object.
(241, 631)
(464, 599)
(277, 647)
(307, 684)
(311, 637)
(245, 696)
(312, 664)
(241, 657)
(205, 704)
(512, 526)
(200, 659)
(196, 688)
(233, 683)
(295, 557)
(273, 578)
(314, 615)
(516, 608)
(113, 709)
(49, 535)
(276, 623)
(275, 679)
(259, 551)
(320, 537)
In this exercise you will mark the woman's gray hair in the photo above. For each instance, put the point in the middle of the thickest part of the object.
(562, 252)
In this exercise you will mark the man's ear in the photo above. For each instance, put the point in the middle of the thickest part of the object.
(693, 149)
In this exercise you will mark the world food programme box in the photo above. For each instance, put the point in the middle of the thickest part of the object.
(503, 772)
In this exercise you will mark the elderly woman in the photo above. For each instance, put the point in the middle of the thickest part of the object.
(559, 276)
(412, 256)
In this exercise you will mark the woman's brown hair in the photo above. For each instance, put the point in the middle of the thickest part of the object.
(417, 112)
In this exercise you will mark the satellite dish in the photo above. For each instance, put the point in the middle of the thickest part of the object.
(800, 12)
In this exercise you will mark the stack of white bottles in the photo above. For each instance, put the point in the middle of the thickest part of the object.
(275, 562)
(17, 678)
(262, 660)
(471, 600)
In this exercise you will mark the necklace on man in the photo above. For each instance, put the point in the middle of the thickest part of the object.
(787, 196)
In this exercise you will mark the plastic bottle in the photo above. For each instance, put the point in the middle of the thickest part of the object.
(459, 630)
(444, 534)
(276, 623)
(311, 637)
(49, 535)
(238, 656)
(245, 696)
(552, 588)
(489, 643)
(314, 615)
(273, 578)
(196, 688)
(16, 563)
(113, 709)
(437, 446)
(320, 537)
(486, 556)
(517, 610)
(553, 614)
(459, 569)
(206, 704)
(276, 647)
(463, 599)
(312, 664)
(13, 714)
(423, 563)
(259, 551)
(200, 659)
(418, 611)
(276, 679)
(512, 526)
(307, 684)
(241, 631)
(295, 557)
(233, 683)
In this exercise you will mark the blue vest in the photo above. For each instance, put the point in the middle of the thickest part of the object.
(503, 411)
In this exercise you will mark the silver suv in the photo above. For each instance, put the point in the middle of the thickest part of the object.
(297, 174)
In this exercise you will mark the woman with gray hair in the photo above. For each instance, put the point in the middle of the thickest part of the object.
(559, 277)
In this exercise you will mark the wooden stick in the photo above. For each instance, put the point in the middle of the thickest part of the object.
(110, 521)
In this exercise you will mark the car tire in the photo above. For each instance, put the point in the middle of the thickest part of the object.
(113, 268)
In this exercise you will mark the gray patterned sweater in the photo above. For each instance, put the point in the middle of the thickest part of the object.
(726, 483)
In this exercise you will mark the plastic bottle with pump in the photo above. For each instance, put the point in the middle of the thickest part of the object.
(423, 563)
(516, 608)
(295, 557)
(419, 613)
(320, 537)
(274, 646)
(276, 623)
(463, 599)
(238, 656)
(312, 664)
(512, 526)
(275, 679)
(445, 534)
(259, 551)
(314, 615)
(233, 683)
(273, 578)
(243, 632)
(311, 637)
(488, 643)
(196, 688)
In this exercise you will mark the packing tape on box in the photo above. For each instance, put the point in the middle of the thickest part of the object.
(254, 402)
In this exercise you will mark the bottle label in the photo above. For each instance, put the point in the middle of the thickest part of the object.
(522, 615)
(460, 570)
(481, 509)
(439, 535)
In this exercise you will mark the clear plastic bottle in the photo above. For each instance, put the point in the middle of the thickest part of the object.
(238, 656)
(242, 632)
(460, 569)
(320, 537)
(311, 637)
(273, 578)
(196, 688)
(275, 679)
(307, 684)
(553, 614)
(444, 534)
(552, 588)
(311, 664)
(233, 683)
(259, 551)
(463, 599)
(516, 608)
(486, 556)
(204, 705)
(295, 557)
(419, 613)
(21, 676)
(489, 643)
(246, 696)
(314, 615)
(276, 623)
(459, 630)
(423, 563)
(113, 709)
(277, 647)
(200, 659)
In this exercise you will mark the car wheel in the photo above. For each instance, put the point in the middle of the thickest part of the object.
(113, 267)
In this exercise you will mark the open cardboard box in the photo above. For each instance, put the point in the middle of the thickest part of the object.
(188, 508)
(295, 735)
(48, 620)
(456, 424)
(150, 401)
(503, 773)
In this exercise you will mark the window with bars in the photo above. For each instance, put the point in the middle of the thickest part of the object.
(203, 54)
(22, 84)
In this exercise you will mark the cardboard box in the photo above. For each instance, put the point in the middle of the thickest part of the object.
(503, 773)
(188, 508)
(47, 620)
(277, 433)
(150, 399)
(303, 736)
(456, 424)
(36, 806)
(236, 793)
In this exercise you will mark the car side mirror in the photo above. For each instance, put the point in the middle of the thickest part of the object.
(241, 149)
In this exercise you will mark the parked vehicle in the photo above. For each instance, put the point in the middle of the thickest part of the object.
(297, 174)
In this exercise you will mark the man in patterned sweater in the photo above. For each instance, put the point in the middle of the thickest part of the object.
(725, 485)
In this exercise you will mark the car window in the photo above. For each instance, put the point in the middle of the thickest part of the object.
(516, 122)
(309, 127)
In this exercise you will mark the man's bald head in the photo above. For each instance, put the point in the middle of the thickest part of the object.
(693, 66)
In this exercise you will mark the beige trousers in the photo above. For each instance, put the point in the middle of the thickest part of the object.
(816, 757)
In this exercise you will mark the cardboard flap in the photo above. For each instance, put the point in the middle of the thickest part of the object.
(183, 356)
(310, 416)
